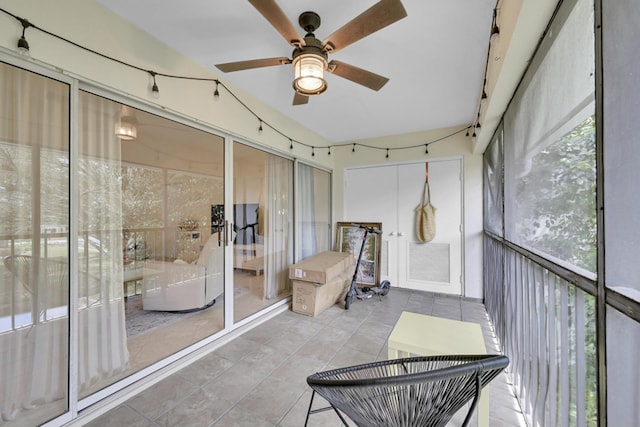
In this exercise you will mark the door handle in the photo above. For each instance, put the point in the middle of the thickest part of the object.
(401, 233)
(393, 233)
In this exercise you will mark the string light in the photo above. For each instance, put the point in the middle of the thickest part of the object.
(313, 151)
(155, 92)
(467, 134)
(495, 30)
(426, 148)
(23, 45)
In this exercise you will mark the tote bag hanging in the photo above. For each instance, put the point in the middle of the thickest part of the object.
(426, 214)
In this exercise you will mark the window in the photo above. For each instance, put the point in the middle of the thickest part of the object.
(549, 147)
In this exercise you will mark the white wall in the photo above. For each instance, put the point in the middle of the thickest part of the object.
(458, 145)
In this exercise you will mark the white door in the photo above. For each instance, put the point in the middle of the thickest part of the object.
(390, 194)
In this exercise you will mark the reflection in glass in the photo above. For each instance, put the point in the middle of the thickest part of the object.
(34, 247)
(150, 267)
(262, 226)
(313, 191)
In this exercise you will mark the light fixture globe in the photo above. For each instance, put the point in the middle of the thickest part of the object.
(310, 61)
(309, 74)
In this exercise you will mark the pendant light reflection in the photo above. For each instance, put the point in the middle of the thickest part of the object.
(127, 127)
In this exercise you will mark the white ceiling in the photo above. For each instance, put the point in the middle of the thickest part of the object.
(434, 58)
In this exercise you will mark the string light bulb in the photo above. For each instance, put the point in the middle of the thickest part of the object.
(155, 91)
(329, 152)
(467, 134)
(426, 148)
(387, 153)
(353, 149)
(313, 151)
(216, 93)
(23, 44)
(260, 127)
(290, 144)
(495, 30)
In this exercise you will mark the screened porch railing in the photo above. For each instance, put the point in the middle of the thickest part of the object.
(546, 326)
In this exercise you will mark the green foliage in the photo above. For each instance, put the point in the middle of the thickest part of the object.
(557, 198)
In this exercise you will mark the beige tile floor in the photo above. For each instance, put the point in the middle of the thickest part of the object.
(258, 379)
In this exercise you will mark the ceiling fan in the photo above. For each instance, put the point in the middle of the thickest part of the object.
(310, 55)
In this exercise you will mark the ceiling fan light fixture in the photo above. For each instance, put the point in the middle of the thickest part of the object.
(309, 71)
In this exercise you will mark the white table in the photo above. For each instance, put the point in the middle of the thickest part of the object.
(419, 334)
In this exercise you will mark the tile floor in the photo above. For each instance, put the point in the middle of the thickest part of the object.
(258, 379)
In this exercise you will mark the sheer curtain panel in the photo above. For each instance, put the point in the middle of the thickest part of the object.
(102, 341)
(278, 214)
(34, 245)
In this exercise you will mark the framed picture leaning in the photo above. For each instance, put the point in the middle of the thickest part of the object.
(349, 237)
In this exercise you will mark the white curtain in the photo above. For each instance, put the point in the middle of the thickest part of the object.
(306, 214)
(34, 183)
(103, 349)
(277, 224)
(34, 225)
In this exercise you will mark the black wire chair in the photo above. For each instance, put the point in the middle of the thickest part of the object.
(421, 391)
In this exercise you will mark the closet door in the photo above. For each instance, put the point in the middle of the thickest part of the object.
(435, 266)
(391, 194)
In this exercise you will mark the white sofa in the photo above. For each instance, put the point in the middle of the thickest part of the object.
(178, 286)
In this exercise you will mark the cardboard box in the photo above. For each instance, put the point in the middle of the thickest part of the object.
(321, 268)
(314, 298)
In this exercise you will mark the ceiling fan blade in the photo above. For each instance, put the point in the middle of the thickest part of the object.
(357, 75)
(252, 63)
(276, 17)
(299, 99)
(378, 16)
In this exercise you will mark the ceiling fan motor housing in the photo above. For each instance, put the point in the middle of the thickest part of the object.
(309, 21)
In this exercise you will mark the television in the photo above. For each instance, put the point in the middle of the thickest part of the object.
(245, 221)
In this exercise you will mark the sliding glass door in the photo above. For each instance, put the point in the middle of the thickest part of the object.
(125, 228)
(262, 229)
(34, 246)
(150, 255)
(313, 211)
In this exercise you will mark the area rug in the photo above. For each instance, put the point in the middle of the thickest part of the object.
(139, 321)
(239, 291)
